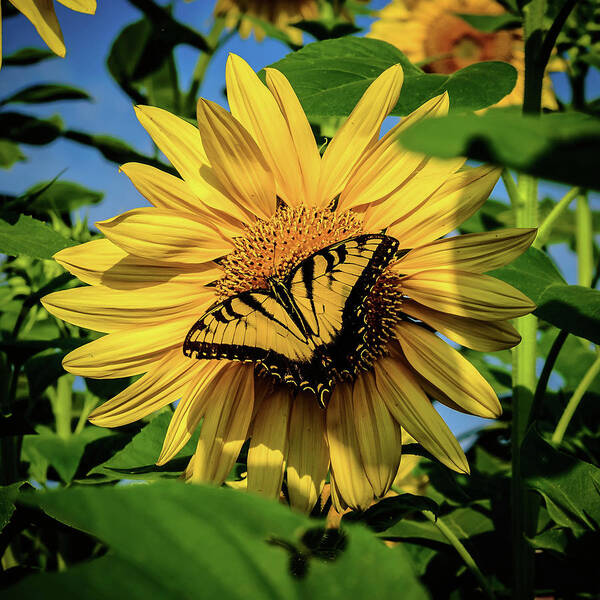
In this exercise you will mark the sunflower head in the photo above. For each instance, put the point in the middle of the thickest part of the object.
(267, 271)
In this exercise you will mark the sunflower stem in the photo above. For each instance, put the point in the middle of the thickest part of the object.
(461, 550)
(575, 399)
(545, 229)
(584, 241)
(511, 188)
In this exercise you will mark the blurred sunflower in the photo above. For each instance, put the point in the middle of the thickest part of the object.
(43, 17)
(430, 32)
(255, 199)
(281, 13)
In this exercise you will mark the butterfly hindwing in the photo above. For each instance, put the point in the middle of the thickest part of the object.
(305, 329)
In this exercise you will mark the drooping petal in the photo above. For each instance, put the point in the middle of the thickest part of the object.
(181, 143)
(409, 405)
(225, 425)
(308, 456)
(236, 160)
(127, 352)
(83, 6)
(42, 16)
(100, 262)
(485, 336)
(171, 193)
(386, 167)
(467, 294)
(269, 444)
(103, 309)
(476, 252)
(346, 461)
(303, 139)
(162, 384)
(190, 409)
(253, 105)
(359, 130)
(165, 235)
(379, 435)
(453, 203)
(448, 370)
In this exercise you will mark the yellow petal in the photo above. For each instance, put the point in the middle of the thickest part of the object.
(409, 405)
(106, 310)
(191, 408)
(452, 204)
(379, 435)
(42, 16)
(164, 383)
(385, 166)
(477, 252)
(308, 456)
(100, 262)
(253, 105)
(467, 294)
(225, 426)
(448, 370)
(485, 336)
(169, 192)
(338, 502)
(269, 444)
(236, 160)
(181, 143)
(303, 139)
(127, 352)
(165, 235)
(360, 129)
(346, 462)
(83, 6)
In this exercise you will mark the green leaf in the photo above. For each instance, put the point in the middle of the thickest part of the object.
(491, 23)
(26, 56)
(193, 541)
(61, 196)
(329, 78)
(560, 147)
(29, 237)
(47, 92)
(327, 30)
(137, 459)
(8, 494)
(10, 153)
(28, 130)
(570, 487)
(571, 307)
(388, 511)
(63, 454)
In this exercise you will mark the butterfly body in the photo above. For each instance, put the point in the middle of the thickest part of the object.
(307, 329)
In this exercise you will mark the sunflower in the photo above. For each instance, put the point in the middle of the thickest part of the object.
(281, 13)
(253, 181)
(430, 32)
(43, 17)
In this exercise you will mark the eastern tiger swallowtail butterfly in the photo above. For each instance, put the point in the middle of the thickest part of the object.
(308, 329)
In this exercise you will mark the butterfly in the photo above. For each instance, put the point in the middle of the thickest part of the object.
(307, 329)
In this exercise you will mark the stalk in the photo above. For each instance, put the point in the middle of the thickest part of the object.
(547, 225)
(584, 241)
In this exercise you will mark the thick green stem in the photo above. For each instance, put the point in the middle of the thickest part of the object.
(511, 188)
(575, 399)
(61, 399)
(545, 229)
(584, 241)
(462, 552)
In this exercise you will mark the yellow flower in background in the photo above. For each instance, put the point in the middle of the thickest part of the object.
(430, 30)
(281, 13)
(255, 202)
(43, 17)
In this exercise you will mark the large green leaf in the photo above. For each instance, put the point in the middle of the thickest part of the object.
(8, 494)
(61, 196)
(46, 92)
(570, 487)
(186, 541)
(26, 56)
(329, 78)
(10, 153)
(30, 237)
(27, 129)
(571, 307)
(491, 23)
(561, 147)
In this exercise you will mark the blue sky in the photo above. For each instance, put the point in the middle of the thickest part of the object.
(88, 40)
